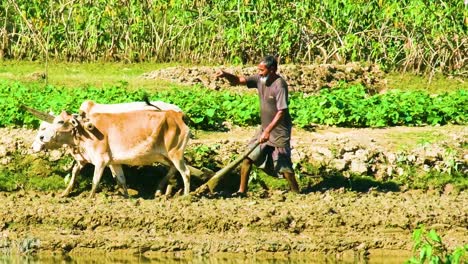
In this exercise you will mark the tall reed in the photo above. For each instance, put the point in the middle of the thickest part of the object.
(416, 35)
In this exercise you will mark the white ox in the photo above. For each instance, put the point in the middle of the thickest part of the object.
(116, 126)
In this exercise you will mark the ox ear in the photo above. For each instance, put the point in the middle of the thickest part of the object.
(39, 114)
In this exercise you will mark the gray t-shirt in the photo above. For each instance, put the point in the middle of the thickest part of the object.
(273, 97)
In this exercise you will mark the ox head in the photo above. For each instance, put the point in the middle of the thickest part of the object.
(54, 131)
(43, 139)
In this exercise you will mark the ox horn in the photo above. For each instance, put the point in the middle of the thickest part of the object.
(39, 114)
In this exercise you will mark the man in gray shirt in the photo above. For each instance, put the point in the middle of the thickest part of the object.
(273, 155)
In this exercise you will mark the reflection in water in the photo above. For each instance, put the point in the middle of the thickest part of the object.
(233, 259)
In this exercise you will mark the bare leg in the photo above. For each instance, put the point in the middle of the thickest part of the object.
(98, 170)
(75, 171)
(168, 190)
(170, 174)
(291, 178)
(245, 172)
(118, 174)
(185, 173)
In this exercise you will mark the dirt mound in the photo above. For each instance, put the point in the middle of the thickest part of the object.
(305, 78)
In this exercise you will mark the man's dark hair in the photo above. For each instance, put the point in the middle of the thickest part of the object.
(270, 62)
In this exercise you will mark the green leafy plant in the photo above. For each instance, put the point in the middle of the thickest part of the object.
(346, 106)
(202, 156)
(429, 248)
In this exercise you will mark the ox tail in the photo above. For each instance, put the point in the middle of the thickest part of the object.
(186, 118)
(147, 101)
(189, 122)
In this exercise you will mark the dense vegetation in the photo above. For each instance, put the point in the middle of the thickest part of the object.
(349, 106)
(425, 36)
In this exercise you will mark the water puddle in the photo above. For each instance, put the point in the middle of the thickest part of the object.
(229, 259)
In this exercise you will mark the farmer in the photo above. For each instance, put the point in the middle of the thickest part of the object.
(273, 155)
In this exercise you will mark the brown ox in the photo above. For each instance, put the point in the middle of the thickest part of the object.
(45, 139)
(140, 137)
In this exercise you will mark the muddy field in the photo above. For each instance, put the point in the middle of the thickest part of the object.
(328, 222)
(334, 222)
(321, 221)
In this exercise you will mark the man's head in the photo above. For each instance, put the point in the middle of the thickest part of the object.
(267, 66)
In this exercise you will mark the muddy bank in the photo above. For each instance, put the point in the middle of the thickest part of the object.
(327, 222)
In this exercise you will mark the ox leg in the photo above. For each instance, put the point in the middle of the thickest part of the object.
(98, 170)
(77, 166)
(119, 175)
(185, 173)
(170, 174)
